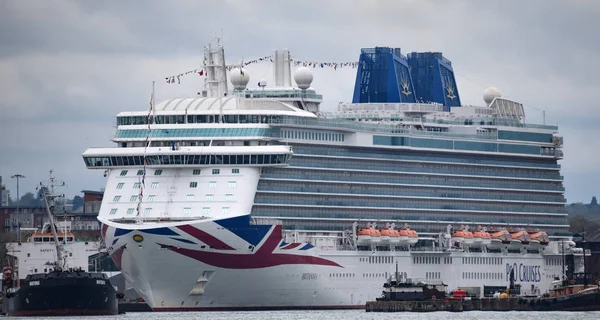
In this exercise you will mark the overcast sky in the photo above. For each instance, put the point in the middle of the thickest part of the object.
(68, 67)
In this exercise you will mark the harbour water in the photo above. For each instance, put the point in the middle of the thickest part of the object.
(344, 315)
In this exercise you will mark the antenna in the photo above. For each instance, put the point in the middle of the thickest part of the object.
(49, 196)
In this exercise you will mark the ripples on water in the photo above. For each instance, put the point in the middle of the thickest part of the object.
(342, 315)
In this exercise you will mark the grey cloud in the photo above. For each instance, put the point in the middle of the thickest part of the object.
(70, 66)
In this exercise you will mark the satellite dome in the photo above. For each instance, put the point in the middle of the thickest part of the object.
(303, 77)
(489, 94)
(239, 78)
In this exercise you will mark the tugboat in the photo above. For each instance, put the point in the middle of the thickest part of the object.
(63, 291)
(405, 289)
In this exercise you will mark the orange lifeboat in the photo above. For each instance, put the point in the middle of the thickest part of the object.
(408, 236)
(458, 235)
(364, 236)
(499, 238)
(388, 235)
(541, 237)
(468, 237)
(375, 236)
(481, 237)
(521, 236)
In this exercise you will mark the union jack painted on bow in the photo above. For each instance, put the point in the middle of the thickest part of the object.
(248, 246)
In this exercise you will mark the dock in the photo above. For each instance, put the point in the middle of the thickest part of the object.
(588, 301)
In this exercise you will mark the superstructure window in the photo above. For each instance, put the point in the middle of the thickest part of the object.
(133, 198)
(158, 172)
(235, 171)
(151, 197)
(123, 173)
(120, 185)
(225, 209)
(113, 211)
(136, 185)
(212, 184)
(196, 172)
(208, 197)
(228, 197)
(116, 198)
(205, 210)
(154, 185)
(187, 210)
(140, 172)
(189, 197)
(231, 184)
(148, 211)
(193, 184)
(216, 171)
(130, 210)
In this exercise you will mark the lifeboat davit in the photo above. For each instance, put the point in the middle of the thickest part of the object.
(500, 238)
(481, 238)
(408, 236)
(364, 236)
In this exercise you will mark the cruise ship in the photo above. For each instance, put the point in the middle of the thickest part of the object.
(244, 198)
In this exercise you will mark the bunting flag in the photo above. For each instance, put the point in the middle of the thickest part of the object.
(305, 63)
(201, 72)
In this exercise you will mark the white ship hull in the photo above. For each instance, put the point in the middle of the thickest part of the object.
(263, 272)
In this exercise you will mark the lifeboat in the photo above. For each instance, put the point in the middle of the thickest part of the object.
(458, 236)
(468, 237)
(389, 235)
(542, 237)
(481, 238)
(519, 238)
(499, 238)
(538, 239)
(364, 236)
(375, 236)
(407, 236)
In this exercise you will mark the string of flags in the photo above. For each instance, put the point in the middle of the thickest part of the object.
(200, 72)
(305, 63)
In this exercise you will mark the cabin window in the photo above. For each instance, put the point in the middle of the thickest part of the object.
(231, 184)
(212, 184)
(196, 172)
(148, 211)
(235, 171)
(154, 185)
(130, 211)
(193, 184)
(158, 172)
(187, 210)
(208, 197)
(123, 173)
(151, 197)
(216, 171)
(136, 185)
(189, 197)
(113, 211)
(120, 185)
(133, 198)
(116, 198)
(140, 172)
(225, 209)
(205, 210)
(228, 197)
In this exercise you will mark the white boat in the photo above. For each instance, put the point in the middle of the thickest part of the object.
(254, 199)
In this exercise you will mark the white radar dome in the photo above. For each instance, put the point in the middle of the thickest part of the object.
(489, 94)
(239, 78)
(303, 77)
